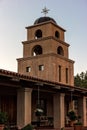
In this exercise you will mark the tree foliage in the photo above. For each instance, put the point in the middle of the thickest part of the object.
(80, 80)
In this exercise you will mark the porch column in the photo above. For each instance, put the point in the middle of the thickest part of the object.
(59, 114)
(82, 109)
(23, 107)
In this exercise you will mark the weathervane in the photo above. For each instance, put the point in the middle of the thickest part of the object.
(45, 11)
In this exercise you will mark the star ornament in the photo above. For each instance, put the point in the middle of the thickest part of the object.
(45, 11)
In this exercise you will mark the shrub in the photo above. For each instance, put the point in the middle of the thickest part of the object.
(3, 117)
(28, 127)
(72, 115)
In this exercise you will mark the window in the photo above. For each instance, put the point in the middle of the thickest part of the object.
(59, 73)
(57, 35)
(37, 50)
(60, 51)
(28, 69)
(41, 67)
(66, 75)
(38, 34)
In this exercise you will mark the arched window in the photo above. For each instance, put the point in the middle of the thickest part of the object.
(60, 51)
(57, 35)
(37, 50)
(38, 34)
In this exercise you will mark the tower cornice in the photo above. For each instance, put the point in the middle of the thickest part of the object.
(46, 38)
(44, 23)
(46, 55)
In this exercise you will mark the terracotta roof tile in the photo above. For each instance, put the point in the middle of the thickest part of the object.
(25, 77)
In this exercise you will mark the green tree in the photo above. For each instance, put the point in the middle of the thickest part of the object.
(77, 80)
(80, 80)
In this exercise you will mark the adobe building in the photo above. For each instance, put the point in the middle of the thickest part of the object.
(45, 77)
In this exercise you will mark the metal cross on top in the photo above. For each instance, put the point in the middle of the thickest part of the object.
(45, 11)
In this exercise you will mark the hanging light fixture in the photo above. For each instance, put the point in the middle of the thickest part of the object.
(71, 98)
(38, 110)
(38, 94)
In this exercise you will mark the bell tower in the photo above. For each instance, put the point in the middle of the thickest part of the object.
(45, 53)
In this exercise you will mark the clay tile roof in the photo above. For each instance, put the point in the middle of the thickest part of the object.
(25, 77)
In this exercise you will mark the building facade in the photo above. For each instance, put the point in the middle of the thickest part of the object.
(46, 56)
(45, 77)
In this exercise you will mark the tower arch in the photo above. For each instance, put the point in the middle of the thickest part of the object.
(38, 33)
(60, 51)
(57, 34)
(37, 50)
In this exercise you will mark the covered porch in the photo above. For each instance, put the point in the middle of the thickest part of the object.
(22, 94)
(56, 102)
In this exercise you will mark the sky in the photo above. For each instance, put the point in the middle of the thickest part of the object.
(15, 15)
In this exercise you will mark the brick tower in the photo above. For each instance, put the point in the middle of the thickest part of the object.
(45, 53)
